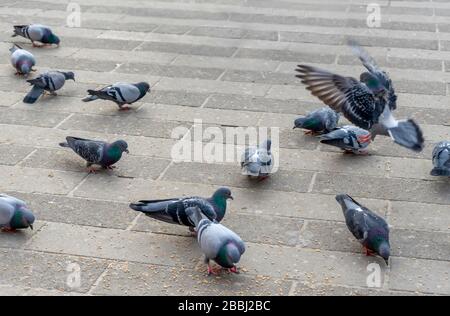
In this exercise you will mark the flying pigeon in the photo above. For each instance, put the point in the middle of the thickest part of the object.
(350, 138)
(97, 152)
(22, 60)
(366, 103)
(36, 33)
(371, 230)
(216, 241)
(174, 210)
(49, 81)
(121, 93)
(320, 121)
(441, 159)
(14, 214)
(258, 161)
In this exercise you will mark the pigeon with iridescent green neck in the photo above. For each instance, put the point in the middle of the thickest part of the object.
(36, 33)
(217, 242)
(14, 214)
(320, 121)
(371, 230)
(97, 152)
(174, 210)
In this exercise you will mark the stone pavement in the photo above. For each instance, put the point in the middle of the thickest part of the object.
(229, 63)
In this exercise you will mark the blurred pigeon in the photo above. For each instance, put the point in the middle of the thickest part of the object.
(97, 152)
(441, 159)
(49, 81)
(258, 161)
(22, 60)
(349, 138)
(217, 242)
(174, 210)
(121, 93)
(366, 103)
(371, 230)
(36, 33)
(14, 214)
(320, 121)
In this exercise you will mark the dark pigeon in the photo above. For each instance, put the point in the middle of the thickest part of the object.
(366, 103)
(97, 152)
(371, 230)
(320, 121)
(174, 210)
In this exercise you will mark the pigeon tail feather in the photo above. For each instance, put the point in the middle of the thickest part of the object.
(33, 95)
(408, 134)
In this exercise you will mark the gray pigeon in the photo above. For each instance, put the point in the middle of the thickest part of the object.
(14, 214)
(441, 159)
(366, 103)
(120, 93)
(36, 33)
(174, 210)
(22, 60)
(217, 242)
(258, 161)
(350, 138)
(320, 121)
(371, 230)
(97, 152)
(50, 81)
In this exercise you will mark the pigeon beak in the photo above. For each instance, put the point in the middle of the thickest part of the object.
(31, 226)
(294, 127)
(387, 262)
(231, 197)
(127, 151)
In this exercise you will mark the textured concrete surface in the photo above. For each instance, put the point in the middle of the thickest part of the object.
(229, 63)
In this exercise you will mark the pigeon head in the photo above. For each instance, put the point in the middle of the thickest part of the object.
(25, 68)
(53, 39)
(384, 250)
(223, 193)
(341, 199)
(121, 145)
(228, 256)
(372, 82)
(23, 218)
(143, 87)
(298, 123)
(69, 75)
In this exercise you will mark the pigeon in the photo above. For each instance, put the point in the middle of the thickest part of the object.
(121, 93)
(216, 241)
(258, 161)
(320, 121)
(97, 152)
(36, 33)
(14, 214)
(49, 81)
(367, 103)
(441, 159)
(174, 210)
(371, 230)
(350, 138)
(22, 60)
